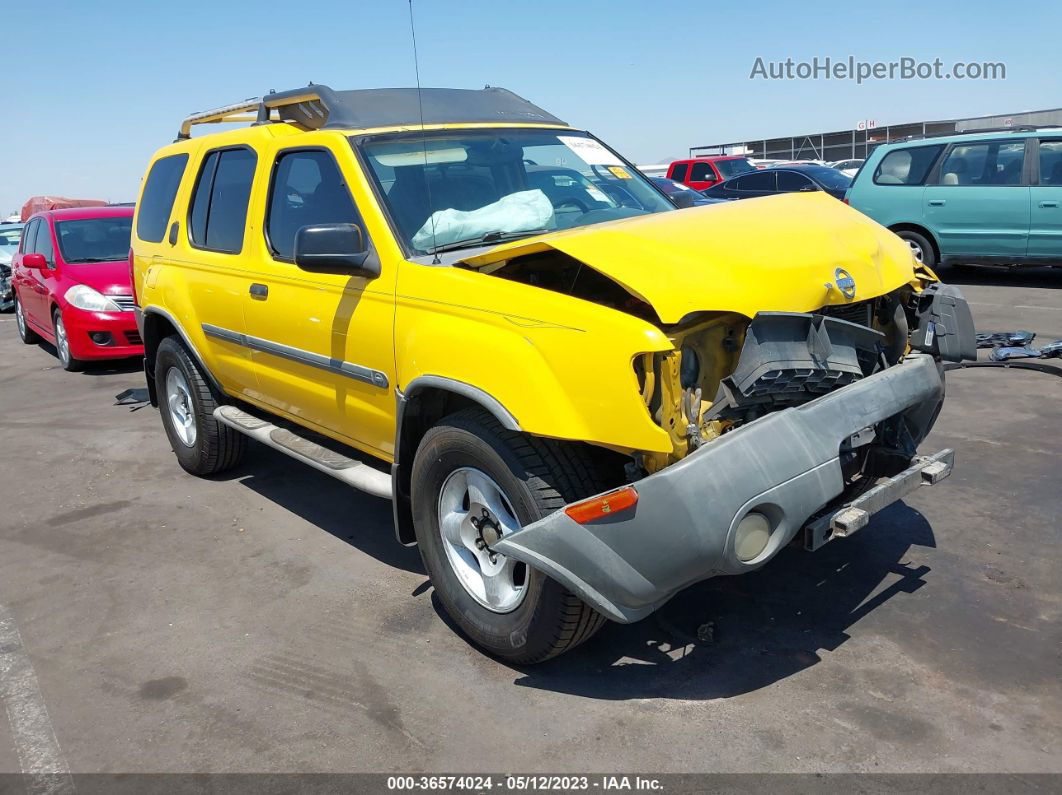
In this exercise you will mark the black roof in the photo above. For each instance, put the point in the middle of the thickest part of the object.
(319, 107)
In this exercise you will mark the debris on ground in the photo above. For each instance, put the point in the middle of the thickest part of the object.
(1004, 339)
(1005, 354)
(706, 632)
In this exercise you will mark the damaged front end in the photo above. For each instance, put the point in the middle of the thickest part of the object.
(786, 423)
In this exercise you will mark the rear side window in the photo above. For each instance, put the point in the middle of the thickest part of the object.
(680, 172)
(989, 163)
(157, 199)
(307, 188)
(906, 166)
(219, 204)
(29, 237)
(789, 181)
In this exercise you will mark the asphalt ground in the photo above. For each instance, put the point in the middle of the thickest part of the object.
(266, 620)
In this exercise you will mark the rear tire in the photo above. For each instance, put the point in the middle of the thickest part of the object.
(203, 445)
(25, 333)
(534, 477)
(921, 247)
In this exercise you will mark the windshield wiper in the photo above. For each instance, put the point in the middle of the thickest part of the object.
(82, 260)
(497, 236)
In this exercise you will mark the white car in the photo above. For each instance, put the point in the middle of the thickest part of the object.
(10, 234)
(849, 167)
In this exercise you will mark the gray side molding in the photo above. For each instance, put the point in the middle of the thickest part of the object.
(486, 400)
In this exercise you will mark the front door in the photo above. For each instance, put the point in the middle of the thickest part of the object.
(322, 343)
(1045, 232)
(979, 204)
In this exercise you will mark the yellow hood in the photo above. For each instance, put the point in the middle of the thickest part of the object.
(779, 253)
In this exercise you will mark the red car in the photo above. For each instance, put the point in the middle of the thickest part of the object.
(71, 282)
(703, 172)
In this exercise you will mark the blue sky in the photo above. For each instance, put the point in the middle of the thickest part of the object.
(95, 87)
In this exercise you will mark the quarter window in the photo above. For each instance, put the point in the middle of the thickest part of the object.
(906, 166)
(989, 163)
(157, 199)
(679, 174)
(308, 188)
(219, 205)
(1051, 162)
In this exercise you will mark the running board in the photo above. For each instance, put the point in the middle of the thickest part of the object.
(349, 470)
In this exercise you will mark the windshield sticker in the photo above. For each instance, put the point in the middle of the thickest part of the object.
(592, 153)
(619, 172)
(596, 195)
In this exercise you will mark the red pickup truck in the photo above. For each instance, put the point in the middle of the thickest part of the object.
(703, 172)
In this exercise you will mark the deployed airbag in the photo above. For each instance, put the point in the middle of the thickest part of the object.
(517, 212)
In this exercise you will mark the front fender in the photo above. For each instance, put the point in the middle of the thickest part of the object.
(567, 380)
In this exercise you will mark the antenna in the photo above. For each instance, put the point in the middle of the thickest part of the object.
(423, 136)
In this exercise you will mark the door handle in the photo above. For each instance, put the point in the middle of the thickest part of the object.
(1049, 204)
(259, 291)
(937, 202)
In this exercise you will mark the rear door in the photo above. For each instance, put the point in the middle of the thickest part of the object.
(978, 204)
(322, 342)
(1045, 231)
(24, 280)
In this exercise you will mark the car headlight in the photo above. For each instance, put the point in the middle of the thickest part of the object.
(84, 297)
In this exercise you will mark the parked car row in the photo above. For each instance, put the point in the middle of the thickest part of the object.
(982, 198)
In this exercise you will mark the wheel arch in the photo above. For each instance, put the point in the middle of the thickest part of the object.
(156, 325)
(425, 401)
(921, 230)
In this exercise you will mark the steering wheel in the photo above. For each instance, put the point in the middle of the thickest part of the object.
(577, 203)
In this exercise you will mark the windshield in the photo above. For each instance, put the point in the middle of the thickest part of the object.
(464, 188)
(830, 178)
(9, 237)
(94, 239)
(731, 168)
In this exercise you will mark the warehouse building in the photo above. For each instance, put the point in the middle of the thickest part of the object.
(859, 142)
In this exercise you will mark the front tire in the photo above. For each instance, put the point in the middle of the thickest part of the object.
(25, 333)
(203, 445)
(62, 345)
(472, 482)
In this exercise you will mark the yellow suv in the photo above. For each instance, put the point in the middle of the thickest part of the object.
(580, 397)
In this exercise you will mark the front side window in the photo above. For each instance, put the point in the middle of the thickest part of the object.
(43, 244)
(789, 181)
(702, 172)
(906, 166)
(307, 188)
(462, 188)
(218, 213)
(1051, 162)
(94, 239)
(157, 200)
(988, 163)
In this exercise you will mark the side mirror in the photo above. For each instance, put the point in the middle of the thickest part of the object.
(682, 199)
(35, 262)
(332, 248)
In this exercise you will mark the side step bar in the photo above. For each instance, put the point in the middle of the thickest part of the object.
(351, 471)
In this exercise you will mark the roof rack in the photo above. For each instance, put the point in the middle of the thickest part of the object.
(1012, 128)
(317, 107)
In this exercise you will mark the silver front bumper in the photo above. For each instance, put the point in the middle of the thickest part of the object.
(785, 465)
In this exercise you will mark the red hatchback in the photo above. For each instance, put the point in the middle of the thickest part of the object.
(71, 283)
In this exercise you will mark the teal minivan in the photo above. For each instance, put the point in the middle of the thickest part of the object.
(989, 198)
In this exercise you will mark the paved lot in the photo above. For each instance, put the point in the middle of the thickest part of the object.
(267, 621)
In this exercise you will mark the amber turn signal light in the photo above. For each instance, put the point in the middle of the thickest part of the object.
(603, 506)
